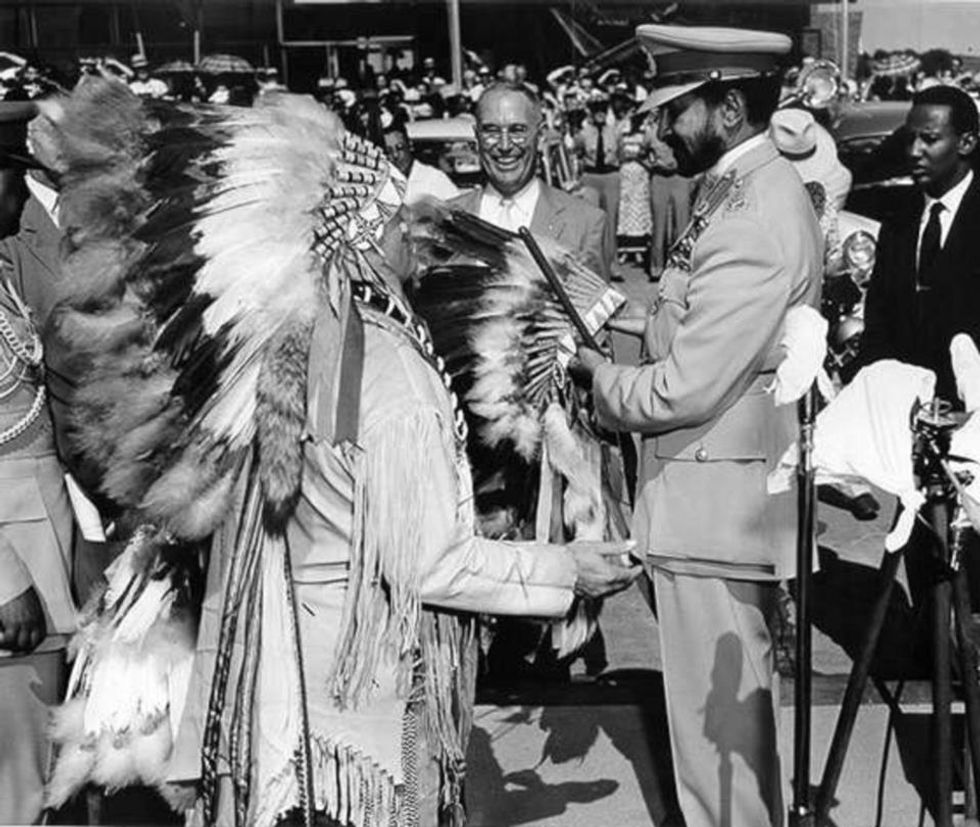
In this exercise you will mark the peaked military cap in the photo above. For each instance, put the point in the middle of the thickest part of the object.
(687, 57)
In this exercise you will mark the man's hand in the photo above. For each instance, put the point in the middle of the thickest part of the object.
(584, 364)
(603, 568)
(22, 625)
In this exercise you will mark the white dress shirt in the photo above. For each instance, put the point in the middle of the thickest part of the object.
(951, 202)
(46, 197)
(510, 213)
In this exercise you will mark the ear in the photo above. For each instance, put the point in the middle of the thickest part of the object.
(733, 109)
(967, 143)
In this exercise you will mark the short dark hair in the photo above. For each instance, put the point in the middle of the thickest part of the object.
(963, 111)
(499, 86)
(761, 95)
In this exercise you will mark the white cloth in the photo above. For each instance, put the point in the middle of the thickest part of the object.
(864, 434)
(805, 342)
(510, 213)
(951, 201)
(966, 368)
(424, 180)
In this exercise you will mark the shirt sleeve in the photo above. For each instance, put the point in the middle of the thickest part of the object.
(734, 307)
(427, 504)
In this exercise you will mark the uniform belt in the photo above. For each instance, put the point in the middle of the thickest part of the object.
(600, 170)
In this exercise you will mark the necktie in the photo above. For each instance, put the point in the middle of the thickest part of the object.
(930, 245)
(600, 152)
(508, 214)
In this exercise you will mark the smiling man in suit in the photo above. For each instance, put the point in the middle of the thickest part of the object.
(925, 287)
(508, 128)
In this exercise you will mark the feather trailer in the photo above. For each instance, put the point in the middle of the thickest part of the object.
(129, 680)
(494, 318)
(194, 278)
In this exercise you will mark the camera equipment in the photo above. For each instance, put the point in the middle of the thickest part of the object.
(932, 426)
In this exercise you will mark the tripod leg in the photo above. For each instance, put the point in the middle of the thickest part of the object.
(968, 668)
(855, 689)
(942, 700)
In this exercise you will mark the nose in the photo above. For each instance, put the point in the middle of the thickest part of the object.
(915, 149)
(505, 140)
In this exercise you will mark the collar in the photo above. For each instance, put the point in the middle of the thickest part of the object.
(524, 199)
(46, 197)
(729, 158)
(951, 199)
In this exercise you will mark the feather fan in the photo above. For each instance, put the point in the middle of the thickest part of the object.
(495, 320)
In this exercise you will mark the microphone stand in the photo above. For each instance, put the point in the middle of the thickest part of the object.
(801, 813)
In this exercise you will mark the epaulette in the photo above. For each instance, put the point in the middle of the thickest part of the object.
(736, 199)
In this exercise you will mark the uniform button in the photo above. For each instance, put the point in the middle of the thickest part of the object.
(701, 455)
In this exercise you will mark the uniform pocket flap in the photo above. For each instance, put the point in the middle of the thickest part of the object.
(740, 433)
(21, 500)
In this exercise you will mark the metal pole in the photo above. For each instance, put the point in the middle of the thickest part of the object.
(455, 43)
(845, 36)
(280, 38)
(198, 30)
(942, 690)
(801, 813)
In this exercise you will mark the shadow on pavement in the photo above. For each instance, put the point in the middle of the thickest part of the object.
(627, 706)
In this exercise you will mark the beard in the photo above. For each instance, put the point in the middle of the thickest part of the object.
(699, 155)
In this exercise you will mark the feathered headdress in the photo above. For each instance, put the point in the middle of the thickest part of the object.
(200, 244)
(198, 241)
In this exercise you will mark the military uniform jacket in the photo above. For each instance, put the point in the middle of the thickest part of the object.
(710, 432)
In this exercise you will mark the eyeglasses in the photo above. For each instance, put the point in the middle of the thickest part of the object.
(518, 133)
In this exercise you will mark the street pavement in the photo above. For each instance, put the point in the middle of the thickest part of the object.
(595, 752)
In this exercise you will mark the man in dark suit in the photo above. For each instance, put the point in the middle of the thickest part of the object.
(925, 287)
(508, 127)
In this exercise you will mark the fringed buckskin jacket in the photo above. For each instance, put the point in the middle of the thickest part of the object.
(397, 500)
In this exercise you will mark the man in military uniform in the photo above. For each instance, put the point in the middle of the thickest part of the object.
(37, 612)
(716, 544)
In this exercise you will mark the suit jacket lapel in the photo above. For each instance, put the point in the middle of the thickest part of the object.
(548, 216)
(42, 238)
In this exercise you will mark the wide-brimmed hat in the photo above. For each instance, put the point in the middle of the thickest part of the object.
(687, 57)
(807, 144)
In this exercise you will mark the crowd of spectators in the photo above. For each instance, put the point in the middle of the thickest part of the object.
(631, 177)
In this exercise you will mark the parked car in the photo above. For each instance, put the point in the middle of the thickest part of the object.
(871, 142)
(450, 145)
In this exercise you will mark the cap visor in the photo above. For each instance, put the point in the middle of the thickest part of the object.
(665, 94)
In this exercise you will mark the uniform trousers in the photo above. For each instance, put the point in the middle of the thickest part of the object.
(30, 685)
(722, 698)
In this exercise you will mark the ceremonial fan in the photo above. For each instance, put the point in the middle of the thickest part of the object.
(504, 311)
